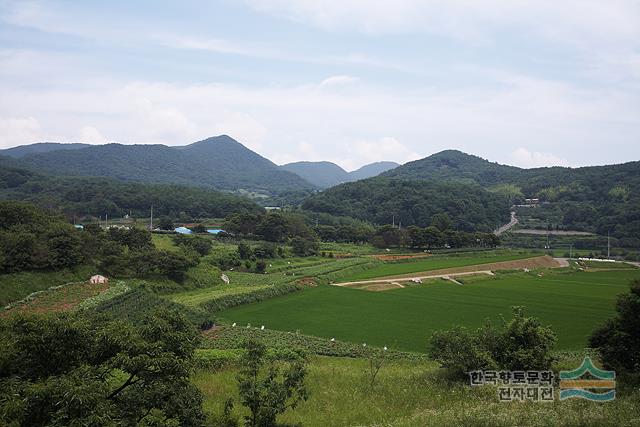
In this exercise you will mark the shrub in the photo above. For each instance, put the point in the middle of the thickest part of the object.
(522, 344)
(618, 340)
(304, 247)
(261, 266)
(227, 301)
(244, 251)
(265, 250)
(460, 350)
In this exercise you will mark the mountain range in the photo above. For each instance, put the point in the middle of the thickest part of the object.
(476, 193)
(601, 199)
(218, 162)
(327, 174)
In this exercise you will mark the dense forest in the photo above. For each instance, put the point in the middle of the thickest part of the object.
(380, 200)
(219, 162)
(599, 199)
(85, 196)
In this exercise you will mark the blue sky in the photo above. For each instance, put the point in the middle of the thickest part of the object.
(530, 83)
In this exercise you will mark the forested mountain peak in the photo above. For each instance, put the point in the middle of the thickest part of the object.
(219, 162)
(40, 147)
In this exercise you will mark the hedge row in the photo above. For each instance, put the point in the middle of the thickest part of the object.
(229, 338)
(227, 301)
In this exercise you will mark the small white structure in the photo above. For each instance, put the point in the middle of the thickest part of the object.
(98, 280)
(225, 278)
(417, 280)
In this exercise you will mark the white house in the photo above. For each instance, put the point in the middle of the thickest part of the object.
(98, 280)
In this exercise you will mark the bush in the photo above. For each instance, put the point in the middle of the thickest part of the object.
(618, 340)
(261, 266)
(265, 250)
(460, 351)
(233, 300)
(523, 344)
(244, 251)
(304, 247)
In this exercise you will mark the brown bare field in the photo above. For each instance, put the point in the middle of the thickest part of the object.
(398, 257)
(55, 300)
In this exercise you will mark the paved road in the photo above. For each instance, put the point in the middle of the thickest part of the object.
(507, 226)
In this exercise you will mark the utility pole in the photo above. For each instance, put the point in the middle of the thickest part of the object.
(608, 245)
(106, 220)
(151, 223)
(570, 251)
(393, 223)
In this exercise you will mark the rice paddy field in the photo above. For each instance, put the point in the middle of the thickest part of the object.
(572, 302)
(434, 263)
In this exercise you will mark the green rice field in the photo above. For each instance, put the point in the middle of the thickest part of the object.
(433, 263)
(573, 303)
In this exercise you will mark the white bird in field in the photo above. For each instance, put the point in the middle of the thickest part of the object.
(333, 340)
(385, 348)
(364, 344)
(262, 328)
(234, 324)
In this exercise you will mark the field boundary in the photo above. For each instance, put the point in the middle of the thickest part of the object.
(396, 281)
(544, 261)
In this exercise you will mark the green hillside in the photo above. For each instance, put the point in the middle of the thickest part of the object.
(218, 162)
(379, 200)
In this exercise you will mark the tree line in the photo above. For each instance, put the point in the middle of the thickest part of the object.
(80, 197)
(33, 239)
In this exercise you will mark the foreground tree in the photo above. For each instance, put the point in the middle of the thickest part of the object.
(270, 384)
(74, 370)
(619, 338)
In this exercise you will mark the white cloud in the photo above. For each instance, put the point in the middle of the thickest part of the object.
(18, 131)
(569, 20)
(91, 135)
(350, 127)
(528, 159)
(386, 148)
(337, 81)
(242, 127)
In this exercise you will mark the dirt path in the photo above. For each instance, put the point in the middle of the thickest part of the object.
(564, 262)
(544, 261)
(394, 282)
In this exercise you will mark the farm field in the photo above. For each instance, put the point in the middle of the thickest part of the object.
(571, 302)
(434, 263)
(62, 299)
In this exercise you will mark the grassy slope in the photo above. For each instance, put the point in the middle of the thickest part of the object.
(435, 263)
(415, 394)
(15, 286)
(573, 303)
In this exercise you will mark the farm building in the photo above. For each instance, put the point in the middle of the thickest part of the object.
(98, 280)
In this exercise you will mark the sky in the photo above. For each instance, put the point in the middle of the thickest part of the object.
(523, 82)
